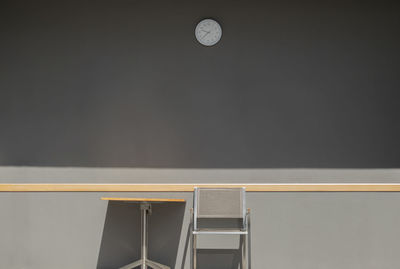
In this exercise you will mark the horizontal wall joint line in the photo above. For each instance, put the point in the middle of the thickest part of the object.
(378, 187)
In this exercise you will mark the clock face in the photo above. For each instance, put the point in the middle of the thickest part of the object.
(208, 32)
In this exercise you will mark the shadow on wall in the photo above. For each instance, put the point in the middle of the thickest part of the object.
(218, 258)
(120, 244)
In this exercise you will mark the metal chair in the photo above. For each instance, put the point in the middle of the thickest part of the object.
(220, 204)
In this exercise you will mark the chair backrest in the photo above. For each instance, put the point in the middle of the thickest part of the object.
(219, 204)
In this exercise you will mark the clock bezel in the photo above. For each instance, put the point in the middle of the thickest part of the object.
(199, 24)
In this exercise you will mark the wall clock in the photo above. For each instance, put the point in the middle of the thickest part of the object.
(208, 32)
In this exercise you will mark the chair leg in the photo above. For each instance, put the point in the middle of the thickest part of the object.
(245, 264)
(191, 250)
(244, 253)
(248, 243)
(193, 253)
(194, 260)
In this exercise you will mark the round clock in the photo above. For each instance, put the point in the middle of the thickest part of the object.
(208, 32)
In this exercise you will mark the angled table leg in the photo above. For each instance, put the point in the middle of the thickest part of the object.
(156, 265)
(132, 265)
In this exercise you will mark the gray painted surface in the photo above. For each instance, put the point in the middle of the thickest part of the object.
(124, 83)
(15, 174)
(289, 230)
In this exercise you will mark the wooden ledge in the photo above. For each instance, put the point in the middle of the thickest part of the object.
(392, 187)
(118, 199)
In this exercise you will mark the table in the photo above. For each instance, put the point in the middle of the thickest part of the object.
(145, 208)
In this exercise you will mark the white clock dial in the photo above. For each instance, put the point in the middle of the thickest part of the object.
(208, 32)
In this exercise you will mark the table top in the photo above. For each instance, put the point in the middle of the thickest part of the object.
(156, 200)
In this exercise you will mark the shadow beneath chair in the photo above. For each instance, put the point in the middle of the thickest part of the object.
(218, 258)
(120, 244)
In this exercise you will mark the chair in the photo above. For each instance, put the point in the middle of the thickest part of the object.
(215, 206)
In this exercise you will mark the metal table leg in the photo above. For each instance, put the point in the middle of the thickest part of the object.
(144, 262)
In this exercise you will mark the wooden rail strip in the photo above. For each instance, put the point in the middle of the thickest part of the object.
(391, 187)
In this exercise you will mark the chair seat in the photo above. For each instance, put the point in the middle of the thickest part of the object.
(220, 231)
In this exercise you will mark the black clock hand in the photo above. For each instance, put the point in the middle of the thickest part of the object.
(205, 34)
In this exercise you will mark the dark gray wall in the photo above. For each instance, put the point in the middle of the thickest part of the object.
(124, 83)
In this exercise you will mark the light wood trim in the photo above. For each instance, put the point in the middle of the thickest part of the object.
(392, 187)
(142, 199)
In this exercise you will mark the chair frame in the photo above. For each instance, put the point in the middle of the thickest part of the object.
(244, 232)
